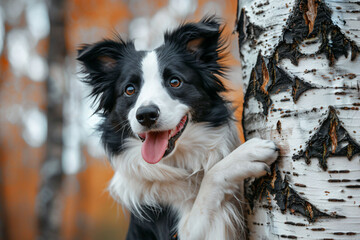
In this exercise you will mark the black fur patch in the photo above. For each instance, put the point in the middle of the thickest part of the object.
(199, 66)
(159, 224)
(110, 65)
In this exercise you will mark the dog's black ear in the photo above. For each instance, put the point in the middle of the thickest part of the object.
(100, 65)
(202, 39)
(99, 57)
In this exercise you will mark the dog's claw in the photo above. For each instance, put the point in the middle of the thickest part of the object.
(267, 169)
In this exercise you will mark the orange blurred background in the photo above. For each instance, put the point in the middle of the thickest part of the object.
(84, 208)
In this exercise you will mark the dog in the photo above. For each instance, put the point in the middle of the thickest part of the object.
(170, 134)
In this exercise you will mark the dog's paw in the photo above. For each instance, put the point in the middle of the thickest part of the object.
(251, 159)
(259, 150)
(259, 154)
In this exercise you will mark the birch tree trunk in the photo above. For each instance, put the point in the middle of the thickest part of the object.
(301, 72)
(49, 200)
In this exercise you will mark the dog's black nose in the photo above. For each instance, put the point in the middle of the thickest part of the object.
(147, 115)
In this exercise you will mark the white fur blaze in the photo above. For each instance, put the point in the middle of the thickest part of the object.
(153, 92)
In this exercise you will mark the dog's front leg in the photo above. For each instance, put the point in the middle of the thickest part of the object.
(211, 216)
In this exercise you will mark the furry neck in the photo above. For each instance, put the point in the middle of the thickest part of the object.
(175, 178)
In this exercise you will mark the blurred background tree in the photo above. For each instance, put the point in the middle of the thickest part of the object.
(53, 171)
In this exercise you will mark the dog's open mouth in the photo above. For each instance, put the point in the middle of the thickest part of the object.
(157, 145)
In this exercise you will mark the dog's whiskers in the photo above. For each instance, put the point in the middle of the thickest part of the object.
(118, 124)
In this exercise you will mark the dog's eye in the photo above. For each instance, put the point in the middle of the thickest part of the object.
(175, 82)
(129, 90)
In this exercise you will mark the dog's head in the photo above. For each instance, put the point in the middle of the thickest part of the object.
(152, 95)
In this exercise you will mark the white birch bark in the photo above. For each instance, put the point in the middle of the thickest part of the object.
(301, 71)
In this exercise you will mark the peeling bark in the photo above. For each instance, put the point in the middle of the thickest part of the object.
(310, 14)
(302, 91)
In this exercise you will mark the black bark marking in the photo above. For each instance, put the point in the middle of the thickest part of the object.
(299, 87)
(352, 186)
(337, 44)
(267, 79)
(278, 126)
(285, 196)
(288, 236)
(335, 200)
(338, 171)
(295, 224)
(257, 87)
(338, 180)
(318, 229)
(334, 43)
(281, 81)
(331, 139)
(247, 30)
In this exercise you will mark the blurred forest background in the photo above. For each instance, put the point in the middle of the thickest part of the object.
(53, 171)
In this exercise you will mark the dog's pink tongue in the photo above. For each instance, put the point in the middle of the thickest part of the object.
(154, 146)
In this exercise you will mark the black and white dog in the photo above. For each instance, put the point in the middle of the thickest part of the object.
(170, 135)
